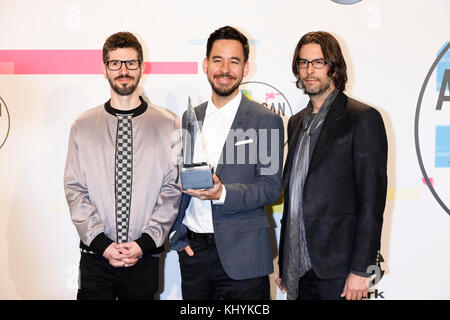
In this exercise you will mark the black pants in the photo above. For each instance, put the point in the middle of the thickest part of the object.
(101, 281)
(310, 287)
(203, 277)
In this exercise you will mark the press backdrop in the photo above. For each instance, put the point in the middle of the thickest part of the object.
(50, 59)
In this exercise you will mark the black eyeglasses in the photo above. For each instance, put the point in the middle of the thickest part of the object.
(316, 63)
(115, 65)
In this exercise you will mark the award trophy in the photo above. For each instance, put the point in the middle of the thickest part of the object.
(195, 173)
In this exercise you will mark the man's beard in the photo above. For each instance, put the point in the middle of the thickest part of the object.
(224, 92)
(123, 90)
(320, 90)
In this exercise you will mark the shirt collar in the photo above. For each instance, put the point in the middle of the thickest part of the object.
(228, 111)
(135, 112)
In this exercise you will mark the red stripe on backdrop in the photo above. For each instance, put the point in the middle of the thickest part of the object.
(75, 62)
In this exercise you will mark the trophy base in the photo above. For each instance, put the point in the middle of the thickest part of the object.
(196, 177)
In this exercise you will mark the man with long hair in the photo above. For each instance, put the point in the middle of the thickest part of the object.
(334, 181)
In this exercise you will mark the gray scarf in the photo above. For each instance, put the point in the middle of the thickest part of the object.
(295, 250)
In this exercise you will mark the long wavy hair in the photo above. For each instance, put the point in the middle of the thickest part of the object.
(337, 68)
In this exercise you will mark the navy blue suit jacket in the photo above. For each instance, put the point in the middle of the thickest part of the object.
(251, 173)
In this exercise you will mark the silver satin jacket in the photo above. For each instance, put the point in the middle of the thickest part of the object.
(90, 170)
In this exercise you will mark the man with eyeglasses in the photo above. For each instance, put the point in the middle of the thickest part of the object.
(121, 182)
(334, 182)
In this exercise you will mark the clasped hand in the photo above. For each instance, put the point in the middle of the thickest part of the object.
(123, 255)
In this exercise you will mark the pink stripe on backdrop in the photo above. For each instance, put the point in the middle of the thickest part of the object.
(6, 67)
(75, 62)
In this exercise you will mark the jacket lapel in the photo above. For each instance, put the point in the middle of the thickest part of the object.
(200, 112)
(239, 121)
(330, 127)
(241, 116)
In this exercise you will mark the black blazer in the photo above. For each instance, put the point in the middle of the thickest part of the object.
(345, 189)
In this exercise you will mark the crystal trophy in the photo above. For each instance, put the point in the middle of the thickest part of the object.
(195, 173)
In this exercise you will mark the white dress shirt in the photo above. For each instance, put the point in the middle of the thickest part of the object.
(216, 126)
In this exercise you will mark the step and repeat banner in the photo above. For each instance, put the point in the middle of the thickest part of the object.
(398, 57)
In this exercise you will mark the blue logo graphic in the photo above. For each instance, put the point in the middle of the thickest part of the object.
(432, 121)
(442, 154)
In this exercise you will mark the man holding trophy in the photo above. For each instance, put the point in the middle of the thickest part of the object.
(233, 153)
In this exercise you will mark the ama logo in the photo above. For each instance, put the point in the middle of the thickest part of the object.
(274, 100)
(4, 122)
(268, 96)
(432, 128)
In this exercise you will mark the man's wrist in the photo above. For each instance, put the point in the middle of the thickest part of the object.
(100, 243)
(222, 197)
(146, 243)
(361, 274)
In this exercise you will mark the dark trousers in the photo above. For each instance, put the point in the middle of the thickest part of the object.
(310, 287)
(101, 281)
(203, 277)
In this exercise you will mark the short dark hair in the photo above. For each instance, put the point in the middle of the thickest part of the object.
(228, 33)
(332, 54)
(122, 40)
